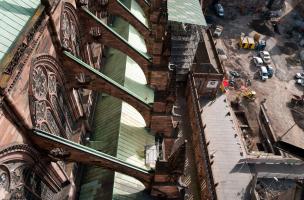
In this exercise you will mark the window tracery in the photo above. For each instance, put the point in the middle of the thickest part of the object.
(70, 37)
(21, 176)
(48, 103)
(69, 30)
(4, 179)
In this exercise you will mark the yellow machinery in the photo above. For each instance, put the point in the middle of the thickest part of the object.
(251, 43)
(249, 94)
(247, 42)
(243, 41)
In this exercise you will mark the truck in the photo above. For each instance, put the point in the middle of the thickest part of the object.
(255, 42)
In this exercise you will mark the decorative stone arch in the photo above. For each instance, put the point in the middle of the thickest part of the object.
(23, 175)
(69, 30)
(48, 105)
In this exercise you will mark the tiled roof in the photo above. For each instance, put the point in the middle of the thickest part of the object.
(226, 150)
(119, 128)
(188, 12)
(14, 15)
(137, 11)
(145, 55)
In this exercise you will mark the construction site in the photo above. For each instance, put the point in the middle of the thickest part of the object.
(266, 112)
(285, 48)
(152, 100)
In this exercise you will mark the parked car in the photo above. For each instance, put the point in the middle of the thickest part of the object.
(219, 10)
(299, 75)
(300, 82)
(235, 74)
(270, 70)
(265, 57)
(263, 73)
(218, 31)
(257, 61)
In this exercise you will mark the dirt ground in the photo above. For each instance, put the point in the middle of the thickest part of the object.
(279, 89)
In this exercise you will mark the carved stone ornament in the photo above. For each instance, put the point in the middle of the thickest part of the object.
(18, 193)
(69, 30)
(59, 153)
(66, 31)
(4, 182)
(99, 6)
(25, 48)
(39, 82)
(48, 105)
(19, 175)
(104, 2)
(82, 3)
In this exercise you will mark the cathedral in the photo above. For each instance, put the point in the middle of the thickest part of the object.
(99, 100)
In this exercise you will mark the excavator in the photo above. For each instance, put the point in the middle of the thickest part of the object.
(248, 94)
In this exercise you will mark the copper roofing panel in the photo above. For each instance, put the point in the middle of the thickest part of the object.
(189, 12)
(14, 15)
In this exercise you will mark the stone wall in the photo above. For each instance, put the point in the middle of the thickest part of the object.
(198, 143)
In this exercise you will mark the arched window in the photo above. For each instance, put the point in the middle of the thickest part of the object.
(48, 104)
(69, 30)
(70, 38)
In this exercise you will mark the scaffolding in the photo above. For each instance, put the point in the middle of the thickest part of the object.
(184, 43)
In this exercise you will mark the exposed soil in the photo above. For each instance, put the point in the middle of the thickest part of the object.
(278, 90)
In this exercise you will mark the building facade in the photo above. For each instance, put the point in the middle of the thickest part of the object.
(88, 98)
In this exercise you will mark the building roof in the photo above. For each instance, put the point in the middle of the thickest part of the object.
(14, 15)
(110, 29)
(189, 12)
(119, 128)
(138, 12)
(226, 151)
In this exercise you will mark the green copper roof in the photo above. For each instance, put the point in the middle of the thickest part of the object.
(135, 10)
(85, 149)
(143, 54)
(14, 15)
(119, 129)
(142, 99)
(133, 136)
(97, 183)
(189, 12)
